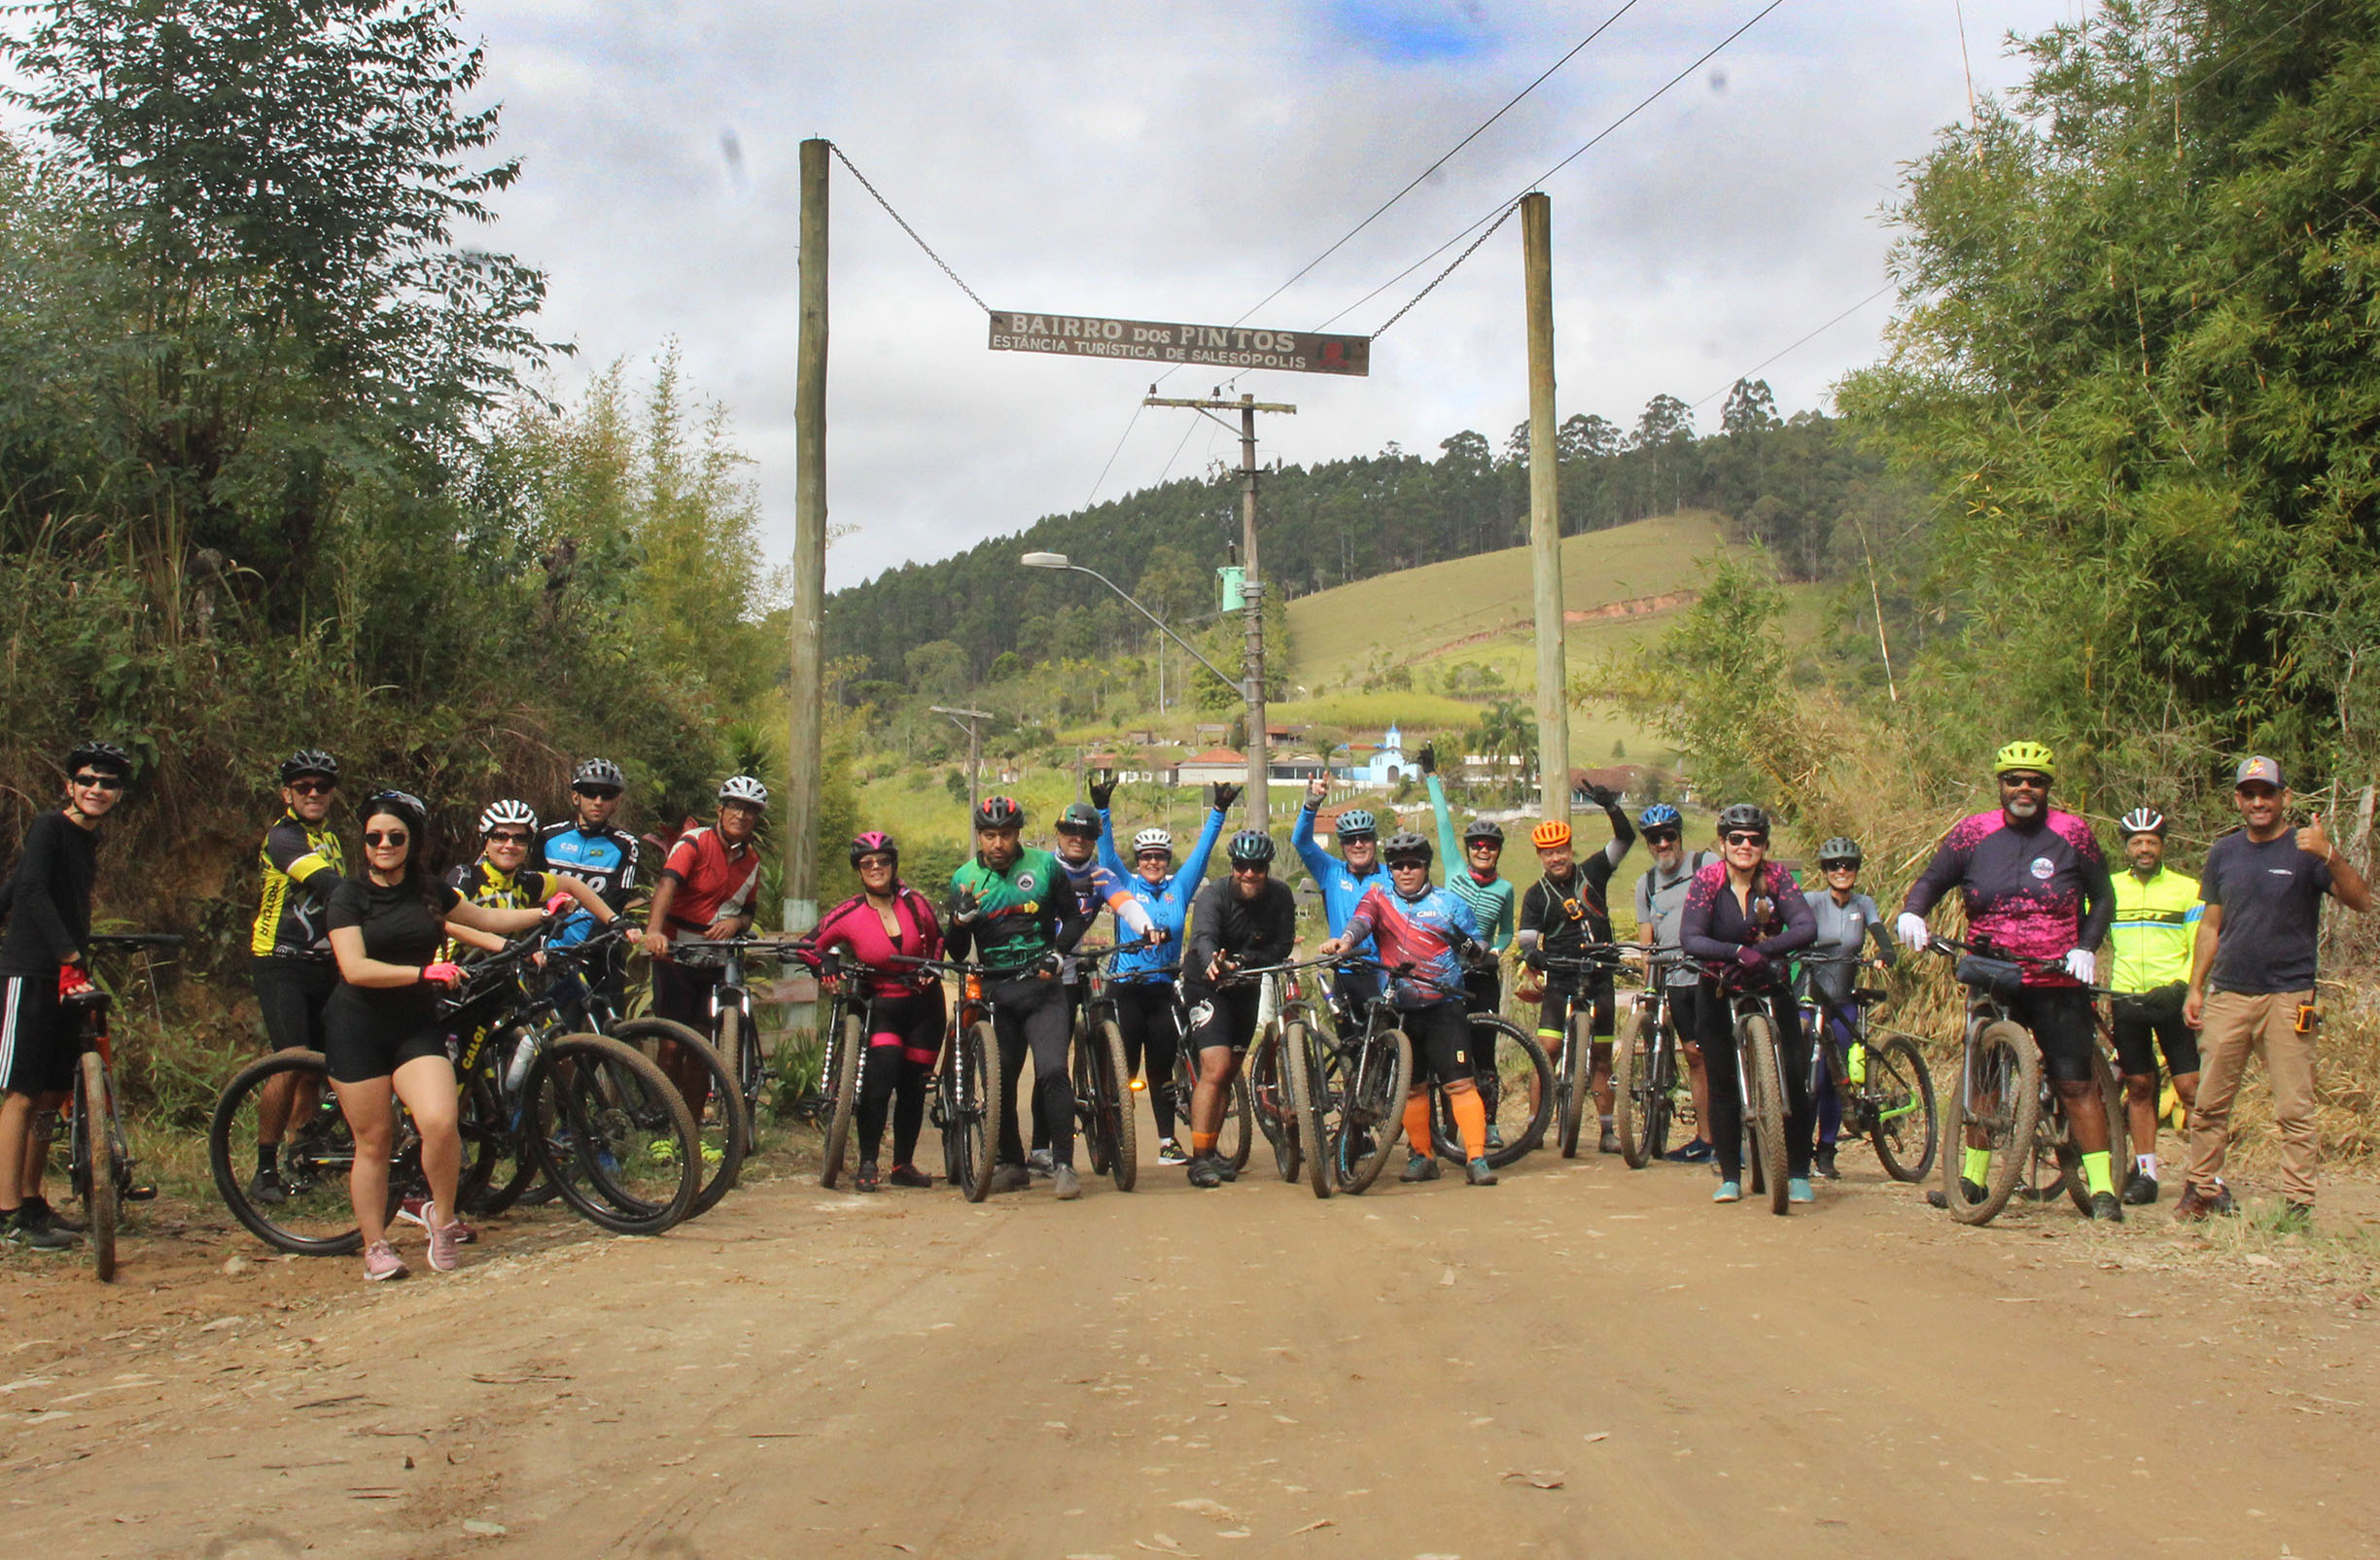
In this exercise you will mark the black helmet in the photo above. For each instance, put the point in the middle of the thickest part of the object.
(405, 804)
(1745, 816)
(1405, 846)
(2141, 821)
(1839, 849)
(1079, 817)
(100, 755)
(595, 774)
(1483, 829)
(308, 761)
(1252, 846)
(999, 812)
(874, 842)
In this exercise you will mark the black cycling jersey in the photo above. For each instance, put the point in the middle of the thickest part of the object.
(301, 864)
(49, 905)
(1252, 931)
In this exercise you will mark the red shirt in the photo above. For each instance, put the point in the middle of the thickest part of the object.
(714, 880)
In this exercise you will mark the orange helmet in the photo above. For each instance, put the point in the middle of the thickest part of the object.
(1550, 835)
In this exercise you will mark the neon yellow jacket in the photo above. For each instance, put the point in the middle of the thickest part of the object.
(2156, 923)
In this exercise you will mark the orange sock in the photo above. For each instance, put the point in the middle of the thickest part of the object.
(1470, 1119)
(1202, 1143)
(1417, 1124)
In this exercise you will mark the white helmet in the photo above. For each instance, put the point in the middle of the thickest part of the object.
(1153, 840)
(507, 810)
(744, 789)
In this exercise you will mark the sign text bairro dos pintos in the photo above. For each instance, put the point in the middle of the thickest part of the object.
(1218, 346)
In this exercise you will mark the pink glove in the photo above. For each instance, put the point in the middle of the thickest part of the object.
(560, 902)
(1749, 957)
(72, 979)
(442, 973)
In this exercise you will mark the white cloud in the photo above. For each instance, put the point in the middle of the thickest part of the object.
(1181, 161)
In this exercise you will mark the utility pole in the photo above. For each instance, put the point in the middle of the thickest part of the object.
(1252, 690)
(970, 721)
(1545, 511)
(806, 692)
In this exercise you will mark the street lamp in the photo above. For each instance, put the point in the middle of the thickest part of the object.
(1259, 785)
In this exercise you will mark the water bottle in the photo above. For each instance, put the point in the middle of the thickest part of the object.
(517, 1074)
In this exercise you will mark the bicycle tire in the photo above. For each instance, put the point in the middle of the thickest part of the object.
(1237, 1139)
(739, 1047)
(1269, 1099)
(1532, 1132)
(1115, 1102)
(1292, 1150)
(1764, 1111)
(722, 1128)
(611, 1108)
(2002, 1056)
(318, 1219)
(489, 1139)
(1576, 1066)
(842, 1075)
(94, 1112)
(972, 1132)
(2118, 1131)
(1372, 1106)
(1635, 1077)
(1913, 1125)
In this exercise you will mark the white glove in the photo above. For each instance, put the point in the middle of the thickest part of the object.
(1913, 933)
(2081, 963)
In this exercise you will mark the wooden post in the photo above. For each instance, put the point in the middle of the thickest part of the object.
(1545, 515)
(806, 696)
(1259, 764)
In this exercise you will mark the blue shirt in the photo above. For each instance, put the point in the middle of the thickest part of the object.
(605, 859)
(1168, 903)
(1341, 888)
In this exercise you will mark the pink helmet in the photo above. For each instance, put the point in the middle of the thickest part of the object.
(872, 843)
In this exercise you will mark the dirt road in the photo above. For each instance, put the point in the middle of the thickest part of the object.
(1582, 1361)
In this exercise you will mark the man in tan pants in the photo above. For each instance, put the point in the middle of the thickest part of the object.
(2251, 985)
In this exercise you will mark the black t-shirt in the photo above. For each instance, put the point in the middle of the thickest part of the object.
(50, 896)
(2271, 898)
(397, 927)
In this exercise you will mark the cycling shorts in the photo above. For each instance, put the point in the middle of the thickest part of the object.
(1554, 1013)
(366, 1035)
(684, 994)
(2151, 1021)
(1487, 989)
(1224, 1016)
(39, 1052)
(1440, 1036)
(2063, 1026)
(291, 996)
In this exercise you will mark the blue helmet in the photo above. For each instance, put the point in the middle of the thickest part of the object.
(1658, 816)
(1357, 825)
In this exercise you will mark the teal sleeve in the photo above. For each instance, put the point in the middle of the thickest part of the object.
(1503, 928)
(1447, 847)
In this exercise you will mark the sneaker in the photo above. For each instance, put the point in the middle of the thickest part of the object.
(1170, 1151)
(39, 1209)
(712, 1155)
(2195, 1206)
(908, 1175)
(1610, 1142)
(1478, 1172)
(1798, 1189)
(1697, 1152)
(2294, 1218)
(866, 1178)
(1420, 1167)
(1204, 1173)
(1065, 1182)
(1038, 1161)
(1972, 1191)
(662, 1151)
(1010, 1178)
(266, 1189)
(445, 1239)
(34, 1234)
(1729, 1192)
(1495, 1137)
(381, 1262)
(1226, 1169)
(410, 1211)
(2140, 1191)
(2105, 1209)
(1821, 1163)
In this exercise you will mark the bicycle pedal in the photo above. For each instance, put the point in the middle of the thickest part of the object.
(140, 1193)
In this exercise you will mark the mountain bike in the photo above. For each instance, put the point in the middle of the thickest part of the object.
(1760, 1082)
(1284, 1072)
(1519, 1115)
(1235, 1136)
(965, 1108)
(2005, 1101)
(1103, 1104)
(99, 1158)
(595, 1117)
(1645, 1071)
(1573, 1095)
(1360, 1087)
(732, 1033)
(1884, 1085)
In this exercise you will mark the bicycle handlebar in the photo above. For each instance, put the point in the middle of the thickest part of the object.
(125, 942)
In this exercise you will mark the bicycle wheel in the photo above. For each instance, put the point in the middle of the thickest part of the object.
(1573, 1089)
(496, 1169)
(1238, 1135)
(845, 1049)
(1519, 1099)
(1263, 1071)
(317, 1152)
(1371, 1109)
(1998, 1093)
(93, 1151)
(970, 1091)
(1899, 1091)
(1765, 1112)
(1293, 1149)
(613, 1134)
(740, 1048)
(726, 1131)
(2118, 1130)
(1113, 1103)
(1633, 1088)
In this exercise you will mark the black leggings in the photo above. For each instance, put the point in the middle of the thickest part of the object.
(1724, 1129)
(904, 1037)
(1151, 1027)
(1033, 1014)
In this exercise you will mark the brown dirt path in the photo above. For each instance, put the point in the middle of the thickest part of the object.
(1580, 1360)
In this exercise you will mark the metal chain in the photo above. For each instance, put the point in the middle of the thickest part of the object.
(1449, 271)
(906, 228)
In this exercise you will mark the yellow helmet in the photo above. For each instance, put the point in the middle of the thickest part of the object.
(2029, 755)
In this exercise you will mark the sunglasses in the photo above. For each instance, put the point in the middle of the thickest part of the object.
(313, 788)
(600, 793)
(508, 837)
(1662, 836)
(100, 782)
(2024, 782)
(1250, 869)
(1738, 837)
(1408, 865)
(869, 863)
(391, 838)
(1154, 856)
(1838, 866)
(1485, 845)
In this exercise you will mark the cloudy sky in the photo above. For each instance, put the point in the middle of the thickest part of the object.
(1180, 161)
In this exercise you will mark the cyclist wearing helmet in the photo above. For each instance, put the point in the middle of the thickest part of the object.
(1471, 871)
(1097, 887)
(589, 847)
(1017, 910)
(1746, 912)
(1661, 904)
(1429, 935)
(1243, 921)
(2158, 914)
(289, 945)
(1846, 920)
(44, 959)
(885, 921)
(1141, 982)
(706, 892)
(1342, 880)
(2037, 886)
(502, 880)
(1565, 911)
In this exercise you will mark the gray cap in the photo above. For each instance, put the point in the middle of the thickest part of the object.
(2259, 768)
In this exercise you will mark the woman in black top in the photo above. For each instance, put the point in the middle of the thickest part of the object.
(382, 1029)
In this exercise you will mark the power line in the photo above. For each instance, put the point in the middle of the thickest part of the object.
(905, 227)
(1449, 271)
(1798, 345)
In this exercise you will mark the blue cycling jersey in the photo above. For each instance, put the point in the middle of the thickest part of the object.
(605, 859)
(1341, 886)
(1168, 903)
